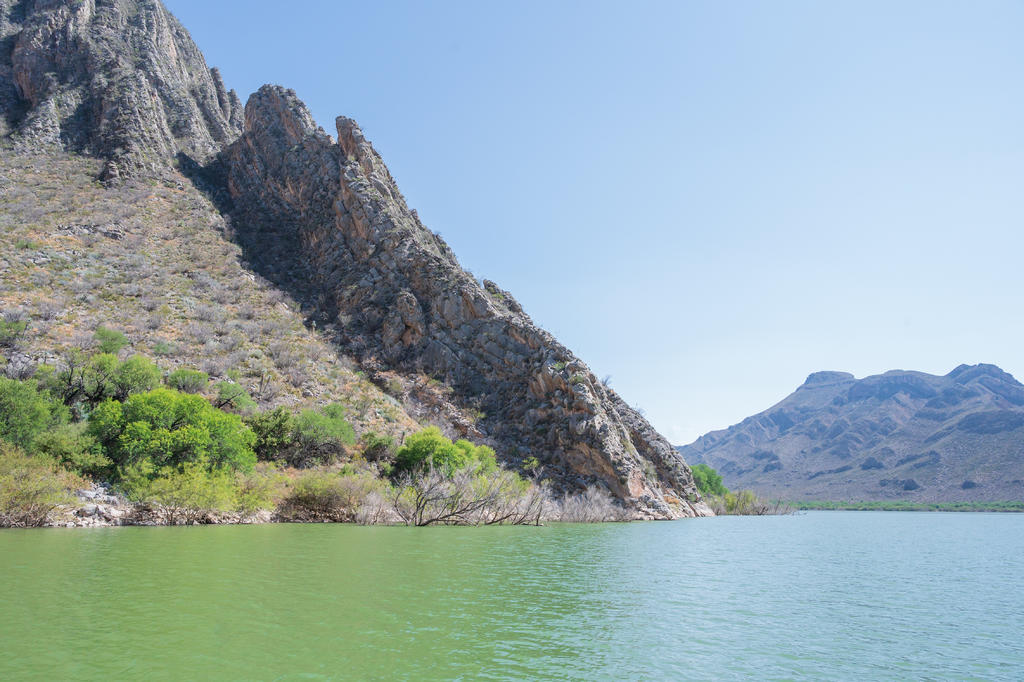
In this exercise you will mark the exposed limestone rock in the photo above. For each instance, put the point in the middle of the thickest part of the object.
(330, 216)
(119, 79)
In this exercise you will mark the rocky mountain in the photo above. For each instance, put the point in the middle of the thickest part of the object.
(316, 223)
(899, 435)
(121, 80)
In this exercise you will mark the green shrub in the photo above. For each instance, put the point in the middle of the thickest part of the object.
(109, 340)
(162, 348)
(328, 496)
(258, 489)
(274, 431)
(188, 380)
(483, 457)
(233, 396)
(708, 481)
(430, 449)
(11, 332)
(377, 448)
(135, 375)
(31, 487)
(185, 494)
(25, 412)
(424, 449)
(74, 449)
(747, 503)
(168, 428)
(321, 435)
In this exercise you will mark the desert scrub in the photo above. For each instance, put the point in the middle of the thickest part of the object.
(184, 494)
(594, 505)
(109, 340)
(32, 487)
(12, 330)
(321, 436)
(378, 447)
(188, 380)
(330, 495)
(127, 265)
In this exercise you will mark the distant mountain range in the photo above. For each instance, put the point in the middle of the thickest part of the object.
(895, 436)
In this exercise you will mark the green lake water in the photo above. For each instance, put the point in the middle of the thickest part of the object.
(820, 595)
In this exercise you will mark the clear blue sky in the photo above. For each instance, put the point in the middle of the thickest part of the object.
(706, 200)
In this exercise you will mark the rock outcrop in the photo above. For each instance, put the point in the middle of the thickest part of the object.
(118, 79)
(323, 219)
(330, 210)
(899, 435)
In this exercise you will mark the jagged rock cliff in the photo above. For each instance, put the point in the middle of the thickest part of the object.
(324, 220)
(403, 301)
(119, 79)
(898, 435)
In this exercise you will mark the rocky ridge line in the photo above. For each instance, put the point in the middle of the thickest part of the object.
(122, 80)
(895, 436)
(401, 300)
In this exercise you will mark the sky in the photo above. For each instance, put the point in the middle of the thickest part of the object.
(706, 200)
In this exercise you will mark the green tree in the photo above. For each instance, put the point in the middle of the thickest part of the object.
(25, 412)
(708, 481)
(72, 447)
(104, 376)
(274, 431)
(168, 428)
(97, 378)
(66, 383)
(423, 449)
(135, 375)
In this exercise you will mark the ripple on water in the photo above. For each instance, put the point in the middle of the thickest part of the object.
(834, 595)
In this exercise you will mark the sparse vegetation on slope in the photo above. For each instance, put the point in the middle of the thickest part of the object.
(187, 458)
(148, 267)
(152, 249)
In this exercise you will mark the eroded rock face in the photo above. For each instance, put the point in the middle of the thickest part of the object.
(119, 79)
(323, 218)
(335, 223)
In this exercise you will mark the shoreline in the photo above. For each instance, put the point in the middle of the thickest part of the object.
(1004, 506)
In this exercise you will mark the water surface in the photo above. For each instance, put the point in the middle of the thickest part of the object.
(838, 595)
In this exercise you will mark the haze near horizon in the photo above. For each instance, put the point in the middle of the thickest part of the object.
(706, 201)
